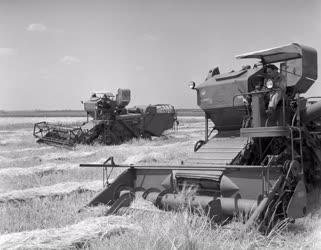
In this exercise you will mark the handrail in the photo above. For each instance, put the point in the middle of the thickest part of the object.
(265, 92)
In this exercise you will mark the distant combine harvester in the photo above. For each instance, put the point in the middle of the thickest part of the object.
(109, 122)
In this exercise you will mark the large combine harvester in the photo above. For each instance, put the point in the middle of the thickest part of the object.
(109, 122)
(262, 165)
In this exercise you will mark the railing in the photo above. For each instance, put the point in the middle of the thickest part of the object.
(261, 92)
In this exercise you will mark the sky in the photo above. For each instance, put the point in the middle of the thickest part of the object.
(53, 54)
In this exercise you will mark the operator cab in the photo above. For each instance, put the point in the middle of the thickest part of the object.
(267, 93)
(297, 66)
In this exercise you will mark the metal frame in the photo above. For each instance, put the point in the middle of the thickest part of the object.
(40, 130)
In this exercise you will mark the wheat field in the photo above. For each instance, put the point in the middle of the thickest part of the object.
(43, 192)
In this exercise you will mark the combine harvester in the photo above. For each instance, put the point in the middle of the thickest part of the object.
(111, 123)
(263, 167)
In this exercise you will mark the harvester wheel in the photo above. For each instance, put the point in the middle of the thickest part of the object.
(147, 135)
(108, 139)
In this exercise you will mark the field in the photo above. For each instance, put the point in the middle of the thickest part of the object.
(78, 113)
(43, 192)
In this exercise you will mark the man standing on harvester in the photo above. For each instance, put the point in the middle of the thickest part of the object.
(279, 83)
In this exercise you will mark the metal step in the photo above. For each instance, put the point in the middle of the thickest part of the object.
(274, 131)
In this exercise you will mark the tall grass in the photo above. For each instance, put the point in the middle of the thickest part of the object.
(189, 230)
(183, 230)
(41, 213)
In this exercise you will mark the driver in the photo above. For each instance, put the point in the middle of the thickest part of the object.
(279, 83)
